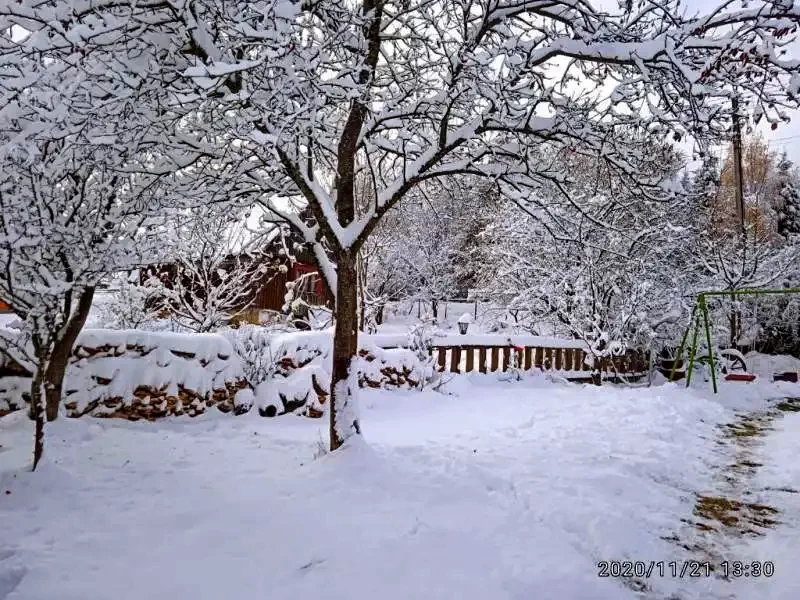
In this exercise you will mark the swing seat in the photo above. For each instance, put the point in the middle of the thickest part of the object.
(740, 377)
(790, 376)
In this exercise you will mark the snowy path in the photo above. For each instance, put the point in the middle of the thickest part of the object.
(505, 491)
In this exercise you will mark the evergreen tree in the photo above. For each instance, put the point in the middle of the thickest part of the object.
(789, 194)
(706, 183)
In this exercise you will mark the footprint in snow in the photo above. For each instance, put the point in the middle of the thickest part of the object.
(10, 575)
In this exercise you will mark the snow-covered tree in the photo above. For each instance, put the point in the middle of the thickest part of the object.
(705, 185)
(719, 255)
(297, 97)
(760, 185)
(436, 230)
(78, 194)
(606, 274)
(789, 202)
(217, 268)
(383, 271)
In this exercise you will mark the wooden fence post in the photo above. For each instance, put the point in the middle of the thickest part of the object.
(455, 359)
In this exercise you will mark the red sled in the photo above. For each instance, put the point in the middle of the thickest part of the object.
(739, 377)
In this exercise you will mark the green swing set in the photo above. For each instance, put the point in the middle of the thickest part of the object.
(700, 312)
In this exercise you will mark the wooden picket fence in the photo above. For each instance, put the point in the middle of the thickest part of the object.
(569, 363)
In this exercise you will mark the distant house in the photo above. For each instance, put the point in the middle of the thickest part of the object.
(272, 288)
(4, 307)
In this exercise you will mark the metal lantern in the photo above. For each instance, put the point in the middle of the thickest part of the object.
(462, 327)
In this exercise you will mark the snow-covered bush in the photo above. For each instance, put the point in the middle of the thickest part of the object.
(515, 369)
(216, 267)
(420, 342)
(252, 344)
(129, 305)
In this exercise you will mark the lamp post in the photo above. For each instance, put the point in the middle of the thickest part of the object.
(463, 323)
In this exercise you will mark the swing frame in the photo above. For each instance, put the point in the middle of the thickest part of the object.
(700, 311)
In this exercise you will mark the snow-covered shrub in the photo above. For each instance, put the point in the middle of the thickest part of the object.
(420, 342)
(252, 344)
(515, 369)
(129, 305)
(294, 368)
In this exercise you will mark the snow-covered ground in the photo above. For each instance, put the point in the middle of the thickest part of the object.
(777, 484)
(499, 490)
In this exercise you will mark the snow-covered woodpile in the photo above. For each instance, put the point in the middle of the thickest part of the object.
(143, 375)
(148, 375)
(300, 373)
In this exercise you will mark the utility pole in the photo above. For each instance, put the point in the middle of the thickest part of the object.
(738, 178)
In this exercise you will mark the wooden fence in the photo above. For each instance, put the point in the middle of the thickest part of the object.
(570, 363)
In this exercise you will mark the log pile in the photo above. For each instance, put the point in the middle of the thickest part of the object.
(387, 373)
(150, 403)
(141, 375)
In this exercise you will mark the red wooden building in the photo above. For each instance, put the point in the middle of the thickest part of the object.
(272, 288)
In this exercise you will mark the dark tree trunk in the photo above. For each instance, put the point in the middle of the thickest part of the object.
(37, 412)
(362, 307)
(379, 314)
(435, 309)
(57, 365)
(343, 416)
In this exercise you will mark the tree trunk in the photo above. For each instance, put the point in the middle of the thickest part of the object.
(37, 412)
(57, 365)
(435, 309)
(343, 410)
(733, 322)
(362, 304)
(379, 314)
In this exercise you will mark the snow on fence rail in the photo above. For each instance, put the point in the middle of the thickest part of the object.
(485, 353)
(572, 363)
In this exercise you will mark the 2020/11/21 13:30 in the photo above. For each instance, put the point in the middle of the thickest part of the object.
(755, 568)
(681, 569)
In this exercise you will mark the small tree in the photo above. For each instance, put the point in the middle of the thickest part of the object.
(75, 205)
(129, 304)
(789, 199)
(218, 267)
(606, 271)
